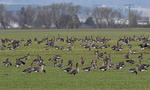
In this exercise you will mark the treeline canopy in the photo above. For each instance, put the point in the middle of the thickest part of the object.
(67, 16)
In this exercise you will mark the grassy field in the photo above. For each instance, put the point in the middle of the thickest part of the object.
(12, 78)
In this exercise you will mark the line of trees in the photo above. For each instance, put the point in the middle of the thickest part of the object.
(65, 16)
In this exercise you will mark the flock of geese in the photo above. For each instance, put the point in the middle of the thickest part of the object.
(88, 43)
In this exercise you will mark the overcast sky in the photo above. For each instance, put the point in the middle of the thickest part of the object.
(141, 5)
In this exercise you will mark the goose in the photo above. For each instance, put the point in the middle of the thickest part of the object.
(47, 47)
(141, 46)
(11, 48)
(82, 61)
(60, 39)
(75, 71)
(127, 56)
(145, 65)
(141, 68)
(100, 55)
(114, 47)
(69, 41)
(129, 46)
(28, 70)
(25, 57)
(133, 70)
(56, 47)
(94, 46)
(49, 59)
(69, 48)
(60, 65)
(119, 48)
(106, 60)
(28, 42)
(45, 39)
(3, 47)
(120, 65)
(105, 46)
(68, 69)
(149, 60)
(35, 39)
(87, 69)
(19, 63)
(88, 48)
(141, 56)
(96, 52)
(40, 68)
(117, 67)
(95, 65)
(70, 62)
(39, 42)
(56, 57)
(38, 60)
(133, 51)
(55, 63)
(130, 61)
(59, 47)
(7, 63)
(103, 68)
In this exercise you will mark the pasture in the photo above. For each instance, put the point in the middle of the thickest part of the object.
(12, 78)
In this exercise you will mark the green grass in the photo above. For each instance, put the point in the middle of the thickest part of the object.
(13, 78)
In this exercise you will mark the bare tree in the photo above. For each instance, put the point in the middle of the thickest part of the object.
(44, 17)
(134, 17)
(64, 21)
(30, 15)
(105, 17)
(21, 14)
(65, 15)
(115, 15)
(62, 10)
(2, 10)
(26, 17)
(96, 14)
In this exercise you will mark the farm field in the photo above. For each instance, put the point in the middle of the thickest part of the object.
(12, 78)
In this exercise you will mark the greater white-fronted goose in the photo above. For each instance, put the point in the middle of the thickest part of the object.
(7, 63)
(75, 71)
(68, 69)
(133, 70)
(19, 63)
